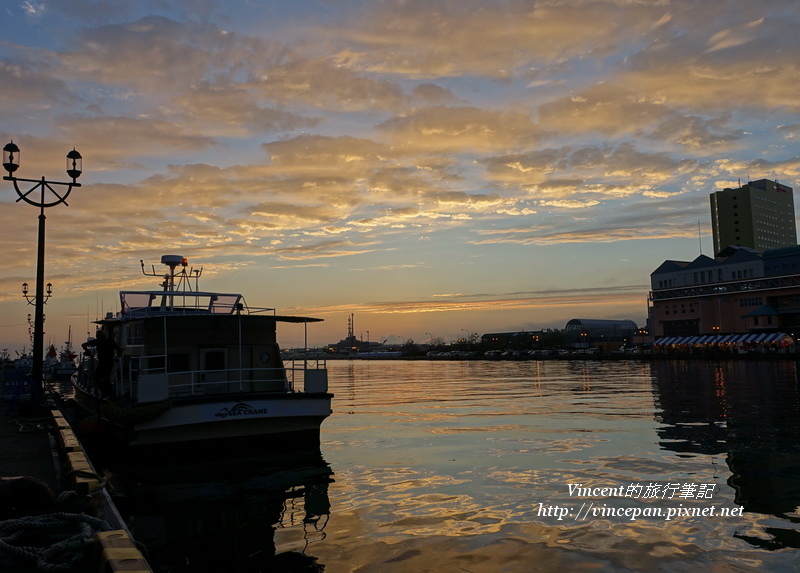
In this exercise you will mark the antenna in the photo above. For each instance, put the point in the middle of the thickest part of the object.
(699, 236)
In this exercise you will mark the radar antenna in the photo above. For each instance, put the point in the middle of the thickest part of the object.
(184, 277)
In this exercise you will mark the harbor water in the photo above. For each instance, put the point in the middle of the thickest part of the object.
(483, 466)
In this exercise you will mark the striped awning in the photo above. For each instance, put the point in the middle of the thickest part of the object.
(723, 339)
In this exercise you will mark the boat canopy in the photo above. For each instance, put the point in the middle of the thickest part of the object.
(140, 304)
(177, 297)
(148, 303)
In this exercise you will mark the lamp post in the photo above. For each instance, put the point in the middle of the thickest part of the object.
(43, 200)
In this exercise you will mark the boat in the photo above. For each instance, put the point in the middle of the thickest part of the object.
(197, 367)
(15, 377)
(62, 365)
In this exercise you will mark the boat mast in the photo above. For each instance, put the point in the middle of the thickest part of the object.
(169, 284)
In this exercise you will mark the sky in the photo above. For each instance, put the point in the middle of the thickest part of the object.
(438, 169)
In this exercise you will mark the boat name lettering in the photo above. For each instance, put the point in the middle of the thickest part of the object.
(240, 409)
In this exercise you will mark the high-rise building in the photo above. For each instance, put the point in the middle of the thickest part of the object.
(758, 215)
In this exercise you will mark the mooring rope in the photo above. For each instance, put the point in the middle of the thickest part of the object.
(54, 543)
(57, 542)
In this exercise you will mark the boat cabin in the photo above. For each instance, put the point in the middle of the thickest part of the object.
(180, 342)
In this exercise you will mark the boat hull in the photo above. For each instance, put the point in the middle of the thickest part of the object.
(232, 418)
(206, 419)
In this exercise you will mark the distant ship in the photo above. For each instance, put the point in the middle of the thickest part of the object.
(352, 346)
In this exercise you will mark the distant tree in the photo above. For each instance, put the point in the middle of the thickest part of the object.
(410, 348)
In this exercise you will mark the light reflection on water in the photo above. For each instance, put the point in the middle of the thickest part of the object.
(446, 466)
(442, 466)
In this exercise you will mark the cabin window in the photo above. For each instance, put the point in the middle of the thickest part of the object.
(214, 360)
(134, 333)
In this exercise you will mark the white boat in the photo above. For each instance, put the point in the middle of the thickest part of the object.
(198, 366)
(62, 365)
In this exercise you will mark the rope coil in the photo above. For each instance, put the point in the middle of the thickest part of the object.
(53, 543)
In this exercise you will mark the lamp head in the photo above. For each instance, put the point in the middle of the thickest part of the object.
(74, 164)
(11, 158)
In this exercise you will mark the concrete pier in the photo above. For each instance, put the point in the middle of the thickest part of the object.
(46, 475)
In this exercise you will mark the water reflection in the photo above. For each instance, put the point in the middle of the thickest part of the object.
(223, 513)
(444, 466)
(749, 411)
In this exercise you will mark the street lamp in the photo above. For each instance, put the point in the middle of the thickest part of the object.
(32, 299)
(43, 200)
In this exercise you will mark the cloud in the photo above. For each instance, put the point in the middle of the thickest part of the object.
(624, 220)
(451, 129)
(30, 88)
(365, 131)
(152, 53)
(318, 83)
(706, 72)
(496, 40)
(111, 138)
(569, 204)
(233, 110)
(609, 109)
(734, 37)
(614, 111)
(566, 298)
(596, 171)
(324, 249)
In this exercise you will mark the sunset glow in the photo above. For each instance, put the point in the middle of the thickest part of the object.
(428, 166)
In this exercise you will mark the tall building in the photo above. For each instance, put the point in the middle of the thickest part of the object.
(758, 215)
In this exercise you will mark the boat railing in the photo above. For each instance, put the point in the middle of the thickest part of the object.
(313, 371)
(228, 381)
(148, 379)
(138, 304)
(300, 363)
